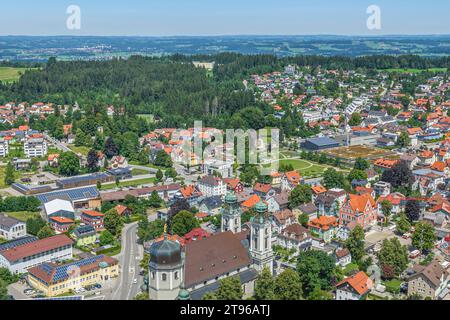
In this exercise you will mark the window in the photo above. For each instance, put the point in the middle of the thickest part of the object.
(164, 277)
(176, 275)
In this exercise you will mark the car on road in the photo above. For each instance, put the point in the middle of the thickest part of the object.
(135, 281)
(29, 292)
(97, 286)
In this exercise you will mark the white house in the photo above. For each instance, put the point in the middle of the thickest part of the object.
(211, 186)
(11, 228)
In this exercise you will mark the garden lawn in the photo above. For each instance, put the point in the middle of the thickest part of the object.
(307, 169)
(22, 215)
(393, 285)
(350, 267)
(83, 150)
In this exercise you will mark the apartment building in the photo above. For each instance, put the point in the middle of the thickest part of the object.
(35, 147)
(4, 148)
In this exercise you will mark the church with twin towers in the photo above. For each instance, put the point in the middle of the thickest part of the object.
(189, 272)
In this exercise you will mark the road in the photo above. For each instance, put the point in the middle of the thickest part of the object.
(59, 145)
(129, 260)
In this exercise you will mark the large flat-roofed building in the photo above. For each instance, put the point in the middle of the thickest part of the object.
(59, 208)
(20, 258)
(316, 144)
(11, 228)
(53, 279)
(35, 147)
(86, 197)
(4, 148)
(83, 181)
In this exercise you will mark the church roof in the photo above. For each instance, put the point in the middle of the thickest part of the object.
(213, 257)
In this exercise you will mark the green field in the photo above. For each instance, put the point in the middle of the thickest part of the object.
(415, 70)
(8, 74)
(83, 150)
(307, 169)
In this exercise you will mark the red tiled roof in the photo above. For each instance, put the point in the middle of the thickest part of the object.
(36, 247)
(93, 213)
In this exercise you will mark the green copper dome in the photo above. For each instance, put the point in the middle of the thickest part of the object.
(103, 265)
(183, 295)
(230, 198)
(261, 207)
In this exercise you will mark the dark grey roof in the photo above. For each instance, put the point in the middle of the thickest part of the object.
(84, 231)
(7, 223)
(94, 176)
(308, 208)
(165, 252)
(323, 141)
(70, 194)
(245, 277)
(212, 202)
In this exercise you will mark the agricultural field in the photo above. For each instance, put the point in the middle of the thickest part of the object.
(8, 74)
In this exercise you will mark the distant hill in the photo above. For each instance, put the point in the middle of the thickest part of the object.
(27, 48)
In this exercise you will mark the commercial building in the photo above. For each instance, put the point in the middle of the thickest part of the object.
(59, 208)
(86, 197)
(316, 144)
(53, 279)
(93, 218)
(85, 180)
(19, 258)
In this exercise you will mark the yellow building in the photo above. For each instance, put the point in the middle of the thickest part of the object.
(85, 236)
(53, 279)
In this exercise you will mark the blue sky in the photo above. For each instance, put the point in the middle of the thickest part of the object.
(228, 17)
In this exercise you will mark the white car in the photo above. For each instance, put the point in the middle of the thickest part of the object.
(134, 281)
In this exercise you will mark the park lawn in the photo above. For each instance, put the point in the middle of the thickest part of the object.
(9, 74)
(22, 215)
(82, 150)
(305, 168)
(133, 183)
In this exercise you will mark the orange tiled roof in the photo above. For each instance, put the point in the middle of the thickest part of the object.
(384, 163)
(360, 282)
(61, 219)
(293, 176)
(93, 213)
(439, 166)
(323, 222)
(359, 202)
(319, 189)
(252, 201)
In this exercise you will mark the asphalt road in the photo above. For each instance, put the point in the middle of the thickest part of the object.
(129, 260)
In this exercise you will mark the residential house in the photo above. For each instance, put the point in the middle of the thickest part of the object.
(355, 287)
(359, 208)
(118, 162)
(382, 188)
(61, 224)
(250, 202)
(295, 236)
(308, 208)
(85, 236)
(278, 202)
(234, 184)
(343, 257)
(397, 200)
(11, 228)
(211, 186)
(35, 147)
(428, 281)
(290, 180)
(324, 227)
(93, 218)
(4, 148)
(211, 205)
(263, 190)
(282, 219)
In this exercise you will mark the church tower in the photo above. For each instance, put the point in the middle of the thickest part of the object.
(165, 270)
(231, 214)
(261, 238)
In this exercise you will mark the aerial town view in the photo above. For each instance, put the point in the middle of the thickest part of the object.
(183, 158)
